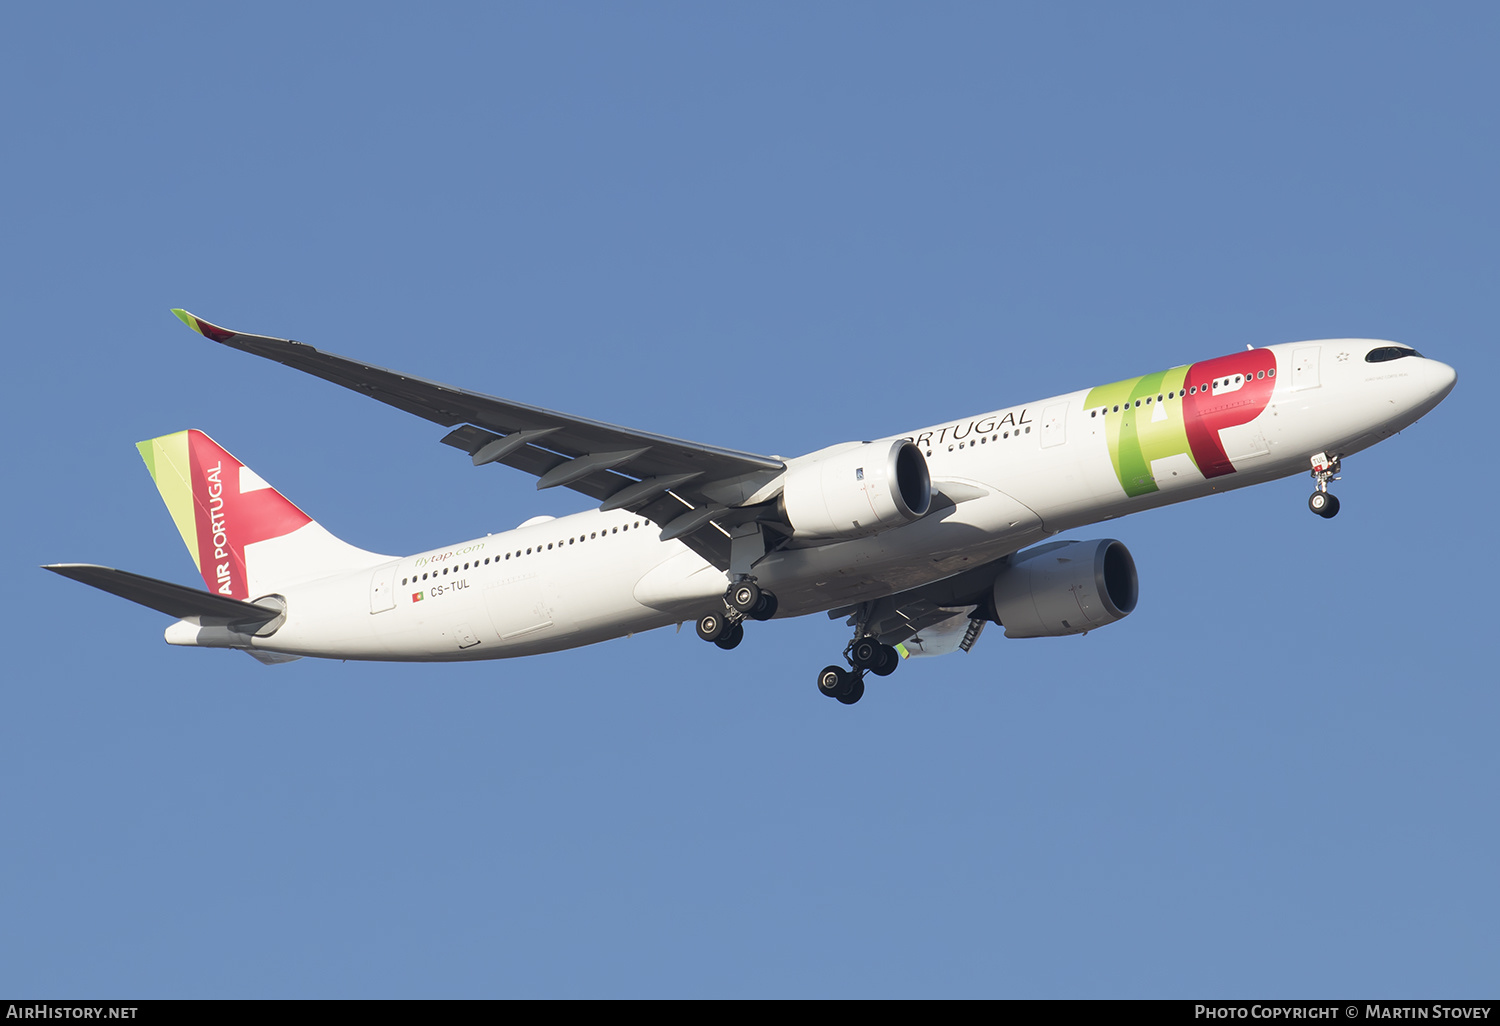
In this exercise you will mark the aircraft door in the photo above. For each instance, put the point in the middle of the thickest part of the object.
(1305, 368)
(1054, 425)
(383, 588)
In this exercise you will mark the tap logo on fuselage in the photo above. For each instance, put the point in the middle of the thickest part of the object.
(1210, 396)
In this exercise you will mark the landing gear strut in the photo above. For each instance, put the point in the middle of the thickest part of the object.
(1323, 502)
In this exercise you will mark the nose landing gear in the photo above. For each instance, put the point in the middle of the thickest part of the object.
(1322, 502)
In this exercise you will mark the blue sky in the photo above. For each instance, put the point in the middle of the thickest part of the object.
(769, 227)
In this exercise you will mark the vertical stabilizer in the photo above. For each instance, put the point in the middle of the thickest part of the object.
(246, 538)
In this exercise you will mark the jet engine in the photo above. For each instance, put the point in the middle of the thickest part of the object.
(1065, 588)
(855, 489)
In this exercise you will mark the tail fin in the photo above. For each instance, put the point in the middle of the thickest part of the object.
(246, 537)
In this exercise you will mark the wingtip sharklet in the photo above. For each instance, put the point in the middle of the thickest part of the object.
(202, 327)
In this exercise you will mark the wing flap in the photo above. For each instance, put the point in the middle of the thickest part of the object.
(534, 460)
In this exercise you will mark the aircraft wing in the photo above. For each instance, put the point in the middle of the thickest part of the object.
(664, 479)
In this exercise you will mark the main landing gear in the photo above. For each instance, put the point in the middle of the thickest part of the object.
(864, 655)
(1323, 502)
(745, 600)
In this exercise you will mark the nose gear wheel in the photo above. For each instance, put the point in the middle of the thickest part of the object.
(1322, 502)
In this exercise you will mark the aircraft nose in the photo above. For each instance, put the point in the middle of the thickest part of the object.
(1442, 377)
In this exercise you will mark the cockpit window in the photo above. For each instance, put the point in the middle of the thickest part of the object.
(1385, 353)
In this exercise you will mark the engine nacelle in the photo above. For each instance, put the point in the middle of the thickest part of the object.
(1065, 588)
(856, 489)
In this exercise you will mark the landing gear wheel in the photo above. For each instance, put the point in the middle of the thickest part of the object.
(1324, 504)
(745, 596)
(731, 637)
(836, 682)
(889, 660)
(1325, 468)
(765, 608)
(856, 692)
(865, 654)
(712, 627)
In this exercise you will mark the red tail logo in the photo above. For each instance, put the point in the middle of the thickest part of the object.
(234, 508)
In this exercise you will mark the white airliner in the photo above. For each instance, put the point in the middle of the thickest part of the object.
(919, 539)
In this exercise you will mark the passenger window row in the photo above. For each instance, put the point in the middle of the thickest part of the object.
(521, 553)
(984, 439)
(1223, 382)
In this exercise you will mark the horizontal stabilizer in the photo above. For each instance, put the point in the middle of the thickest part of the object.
(163, 596)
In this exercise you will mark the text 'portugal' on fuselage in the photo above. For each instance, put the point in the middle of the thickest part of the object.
(919, 539)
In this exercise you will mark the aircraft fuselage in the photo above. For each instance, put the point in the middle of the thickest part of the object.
(1003, 480)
